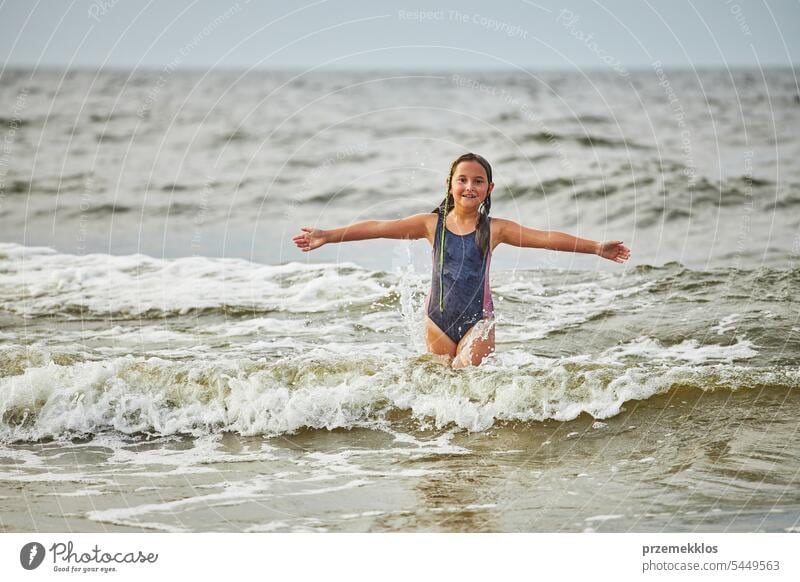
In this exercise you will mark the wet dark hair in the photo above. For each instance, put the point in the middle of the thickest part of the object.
(482, 225)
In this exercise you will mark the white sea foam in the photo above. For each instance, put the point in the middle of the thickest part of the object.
(687, 351)
(335, 489)
(259, 325)
(726, 323)
(329, 388)
(40, 281)
(76, 493)
(574, 304)
(231, 493)
(604, 517)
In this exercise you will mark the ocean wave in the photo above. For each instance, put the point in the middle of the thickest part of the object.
(585, 140)
(64, 184)
(39, 282)
(325, 389)
(108, 209)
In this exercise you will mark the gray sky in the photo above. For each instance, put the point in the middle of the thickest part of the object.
(345, 34)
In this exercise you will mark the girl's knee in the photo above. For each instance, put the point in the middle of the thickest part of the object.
(458, 362)
(470, 356)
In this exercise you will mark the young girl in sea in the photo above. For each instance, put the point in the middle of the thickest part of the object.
(460, 313)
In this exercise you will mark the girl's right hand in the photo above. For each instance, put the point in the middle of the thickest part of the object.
(309, 239)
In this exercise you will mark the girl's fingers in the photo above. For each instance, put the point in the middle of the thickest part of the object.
(303, 240)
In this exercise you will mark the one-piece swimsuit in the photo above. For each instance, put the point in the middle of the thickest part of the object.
(460, 295)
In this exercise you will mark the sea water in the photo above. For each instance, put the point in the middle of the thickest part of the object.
(170, 362)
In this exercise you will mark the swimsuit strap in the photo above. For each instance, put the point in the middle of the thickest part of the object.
(443, 219)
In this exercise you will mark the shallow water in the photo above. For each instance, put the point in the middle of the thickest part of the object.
(683, 461)
(168, 361)
(658, 399)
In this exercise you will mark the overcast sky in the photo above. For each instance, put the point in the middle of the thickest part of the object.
(420, 34)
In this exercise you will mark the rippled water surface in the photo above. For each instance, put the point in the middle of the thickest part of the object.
(168, 361)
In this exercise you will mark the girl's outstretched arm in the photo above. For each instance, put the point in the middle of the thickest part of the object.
(413, 227)
(519, 236)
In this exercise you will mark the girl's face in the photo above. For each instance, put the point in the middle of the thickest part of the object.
(470, 185)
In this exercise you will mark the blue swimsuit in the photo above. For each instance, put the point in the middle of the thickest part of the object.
(464, 287)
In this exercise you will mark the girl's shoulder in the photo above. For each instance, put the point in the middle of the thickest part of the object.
(499, 223)
(498, 230)
(430, 220)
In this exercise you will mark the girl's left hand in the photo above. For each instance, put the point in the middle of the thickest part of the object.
(614, 250)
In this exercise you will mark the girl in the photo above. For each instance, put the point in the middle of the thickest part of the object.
(460, 314)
